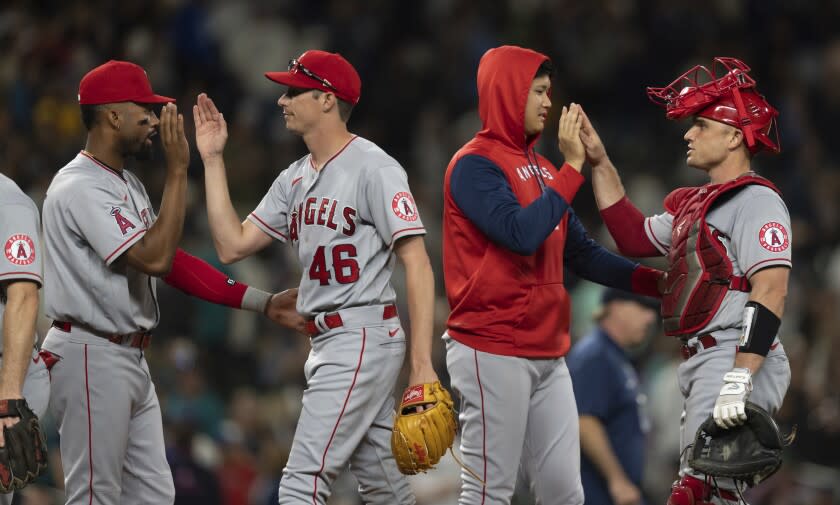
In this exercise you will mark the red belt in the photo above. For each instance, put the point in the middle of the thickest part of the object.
(706, 341)
(137, 339)
(333, 320)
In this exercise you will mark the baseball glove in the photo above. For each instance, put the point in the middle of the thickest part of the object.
(750, 452)
(24, 455)
(420, 439)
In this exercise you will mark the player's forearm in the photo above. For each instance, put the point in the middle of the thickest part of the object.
(421, 300)
(749, 360)
(773, 299)
(769, 288)
(198, 278)
(18, 336)
(154, 252)
(772, 290)
(420, 287)
(225, 226)
(596, 446)
(606, 183)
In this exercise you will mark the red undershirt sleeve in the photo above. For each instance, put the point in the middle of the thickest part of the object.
(627, 227)
(198, 278)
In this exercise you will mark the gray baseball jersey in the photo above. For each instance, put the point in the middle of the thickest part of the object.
(754, 227)
(102, 396)
(342, 220)
(21, 260)
(19, 223)
(92, 214)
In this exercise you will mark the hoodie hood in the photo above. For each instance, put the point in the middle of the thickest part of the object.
(504, 80)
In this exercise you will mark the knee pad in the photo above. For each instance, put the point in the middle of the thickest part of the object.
(693, 491)
(681, 495)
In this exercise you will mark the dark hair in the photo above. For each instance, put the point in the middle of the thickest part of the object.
(90, 114)
(344, 108)
(546, 68)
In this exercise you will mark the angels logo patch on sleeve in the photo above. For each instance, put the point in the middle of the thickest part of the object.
(20, 249)
(124, 224)
(773, 236)
(404, 207)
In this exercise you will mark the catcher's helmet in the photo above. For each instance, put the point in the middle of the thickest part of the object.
(730, 98)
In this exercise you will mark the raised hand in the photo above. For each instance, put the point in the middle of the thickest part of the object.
(210, 127)
(568, 136)
(595, 150)
(175, 146)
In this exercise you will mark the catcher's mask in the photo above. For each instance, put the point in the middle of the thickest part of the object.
(726, 94)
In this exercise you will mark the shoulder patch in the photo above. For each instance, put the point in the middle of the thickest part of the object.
(123, 222)
(774, 237)
(20, 249)
(404, 207)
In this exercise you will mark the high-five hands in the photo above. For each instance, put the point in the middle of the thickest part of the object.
(595, 150)
(175, 146)
(568, 136)
(210, 128)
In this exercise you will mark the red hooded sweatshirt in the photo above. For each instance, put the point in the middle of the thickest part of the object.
(503, 302)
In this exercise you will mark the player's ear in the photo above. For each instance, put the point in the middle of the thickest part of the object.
(736, 138)
(112, 117)
(329, 102)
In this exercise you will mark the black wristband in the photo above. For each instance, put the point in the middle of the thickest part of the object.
(760, 329)
(12, 407)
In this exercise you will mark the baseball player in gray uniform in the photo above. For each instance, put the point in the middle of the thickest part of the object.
(347, 210)
(22, 372)
(105, 244)
(729, 249)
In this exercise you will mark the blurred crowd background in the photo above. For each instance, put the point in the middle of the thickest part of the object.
(230, 383)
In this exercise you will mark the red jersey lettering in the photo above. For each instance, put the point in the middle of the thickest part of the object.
(349, 214)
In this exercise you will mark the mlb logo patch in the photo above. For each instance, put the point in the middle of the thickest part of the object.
(403, 206)
(774, 237)
(20, 249)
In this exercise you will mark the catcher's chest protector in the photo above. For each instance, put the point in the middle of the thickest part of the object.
(699, 273)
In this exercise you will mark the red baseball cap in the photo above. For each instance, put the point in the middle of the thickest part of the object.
(118, 81)
(328, 72)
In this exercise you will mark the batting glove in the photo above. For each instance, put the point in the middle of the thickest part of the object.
(729, 407)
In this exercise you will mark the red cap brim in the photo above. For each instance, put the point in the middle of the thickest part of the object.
(155, 99)
(142, 99)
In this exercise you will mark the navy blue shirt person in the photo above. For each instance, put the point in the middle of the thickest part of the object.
(606, 385)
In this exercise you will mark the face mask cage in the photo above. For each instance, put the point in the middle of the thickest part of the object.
(700, 87)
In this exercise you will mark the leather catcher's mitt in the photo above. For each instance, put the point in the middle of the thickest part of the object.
(750, 452)
(24, 455)
(420, 439)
